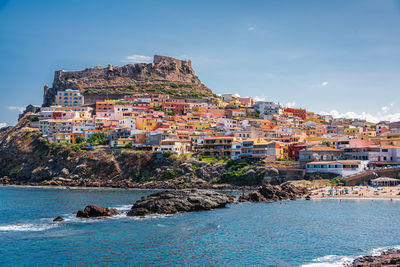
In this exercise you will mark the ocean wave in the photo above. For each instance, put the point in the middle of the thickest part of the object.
(151, 216)
(330, 261)
(122, 208)
(26, 227)
(378, 251)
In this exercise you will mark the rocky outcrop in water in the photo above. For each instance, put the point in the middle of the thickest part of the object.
(58, 219)
(174, 201)
(269, 192)
(92, 211)
(163, 74)
(388, 258)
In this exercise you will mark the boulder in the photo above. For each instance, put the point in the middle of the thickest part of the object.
(58, 219)
(388, 258)
(91, 211)
(254, 196)
(64, 172)
(269, 192)
(174, 201)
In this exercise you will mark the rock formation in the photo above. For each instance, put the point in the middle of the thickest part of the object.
(269, 192)
(92, 211)
(389, 258)
(174, 201)
(163, 74)
(27, 158)
(58, 219)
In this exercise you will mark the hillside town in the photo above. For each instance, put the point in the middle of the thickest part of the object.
(220, 128)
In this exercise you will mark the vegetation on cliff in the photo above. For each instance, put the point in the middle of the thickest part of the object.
(26, 157)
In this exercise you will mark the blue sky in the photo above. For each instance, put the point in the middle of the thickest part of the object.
(338, 57)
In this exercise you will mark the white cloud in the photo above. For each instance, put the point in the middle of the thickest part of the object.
(385, 109)
(137, 59)
(364, 116)
(324, 84)
(291, 104)
(20, 109)
(259, 98)
(251, 28)
(3, 124)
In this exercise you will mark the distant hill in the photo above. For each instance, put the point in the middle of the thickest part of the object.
(164, 75)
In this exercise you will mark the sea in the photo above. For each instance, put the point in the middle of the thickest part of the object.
(319, 232)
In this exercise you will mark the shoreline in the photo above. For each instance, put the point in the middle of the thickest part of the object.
(224, 188)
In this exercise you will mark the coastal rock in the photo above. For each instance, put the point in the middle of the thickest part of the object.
(389, 258)
(100, 83)
(58, 219)
(254, 196)
(174, 201)
(269, 192)
(91, 211)
(64, 172)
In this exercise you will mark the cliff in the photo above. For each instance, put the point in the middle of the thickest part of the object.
(27, 158)
(164, 74)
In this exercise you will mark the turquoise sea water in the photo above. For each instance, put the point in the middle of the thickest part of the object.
(291, 233)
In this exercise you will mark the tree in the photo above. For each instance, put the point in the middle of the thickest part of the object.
(79, 140)
(326, 143)
(98, 139)
(128, 146)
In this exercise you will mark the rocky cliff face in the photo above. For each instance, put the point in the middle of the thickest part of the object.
(26, 157)
(165, 74)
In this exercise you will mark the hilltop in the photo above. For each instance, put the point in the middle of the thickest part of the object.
(165, 74)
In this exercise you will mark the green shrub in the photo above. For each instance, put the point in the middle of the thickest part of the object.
(76, 147)
(336, 181)
(79, 140)
(98, 139)
(174, 85)
(128, 146)
(209, 160)
(172, 173)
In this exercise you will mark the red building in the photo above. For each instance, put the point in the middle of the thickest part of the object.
(297, 112)
(57, 115)
(293, 151)
(106, 106)
(180, 108)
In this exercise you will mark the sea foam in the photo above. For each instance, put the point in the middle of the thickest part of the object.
(26, 227)
(339, 260)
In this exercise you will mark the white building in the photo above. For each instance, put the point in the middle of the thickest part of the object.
(129, 123)
(267, 108)
(343, 167)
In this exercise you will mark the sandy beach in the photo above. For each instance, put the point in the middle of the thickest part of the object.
(388, 192)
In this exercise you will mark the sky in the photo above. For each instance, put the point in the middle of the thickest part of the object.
(331, 57)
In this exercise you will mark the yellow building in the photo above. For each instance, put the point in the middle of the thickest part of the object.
(199, 125)
(367, 136)
(218, 146)
(283, 151)
(352, 131)
(146, 123)
(122, 142)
